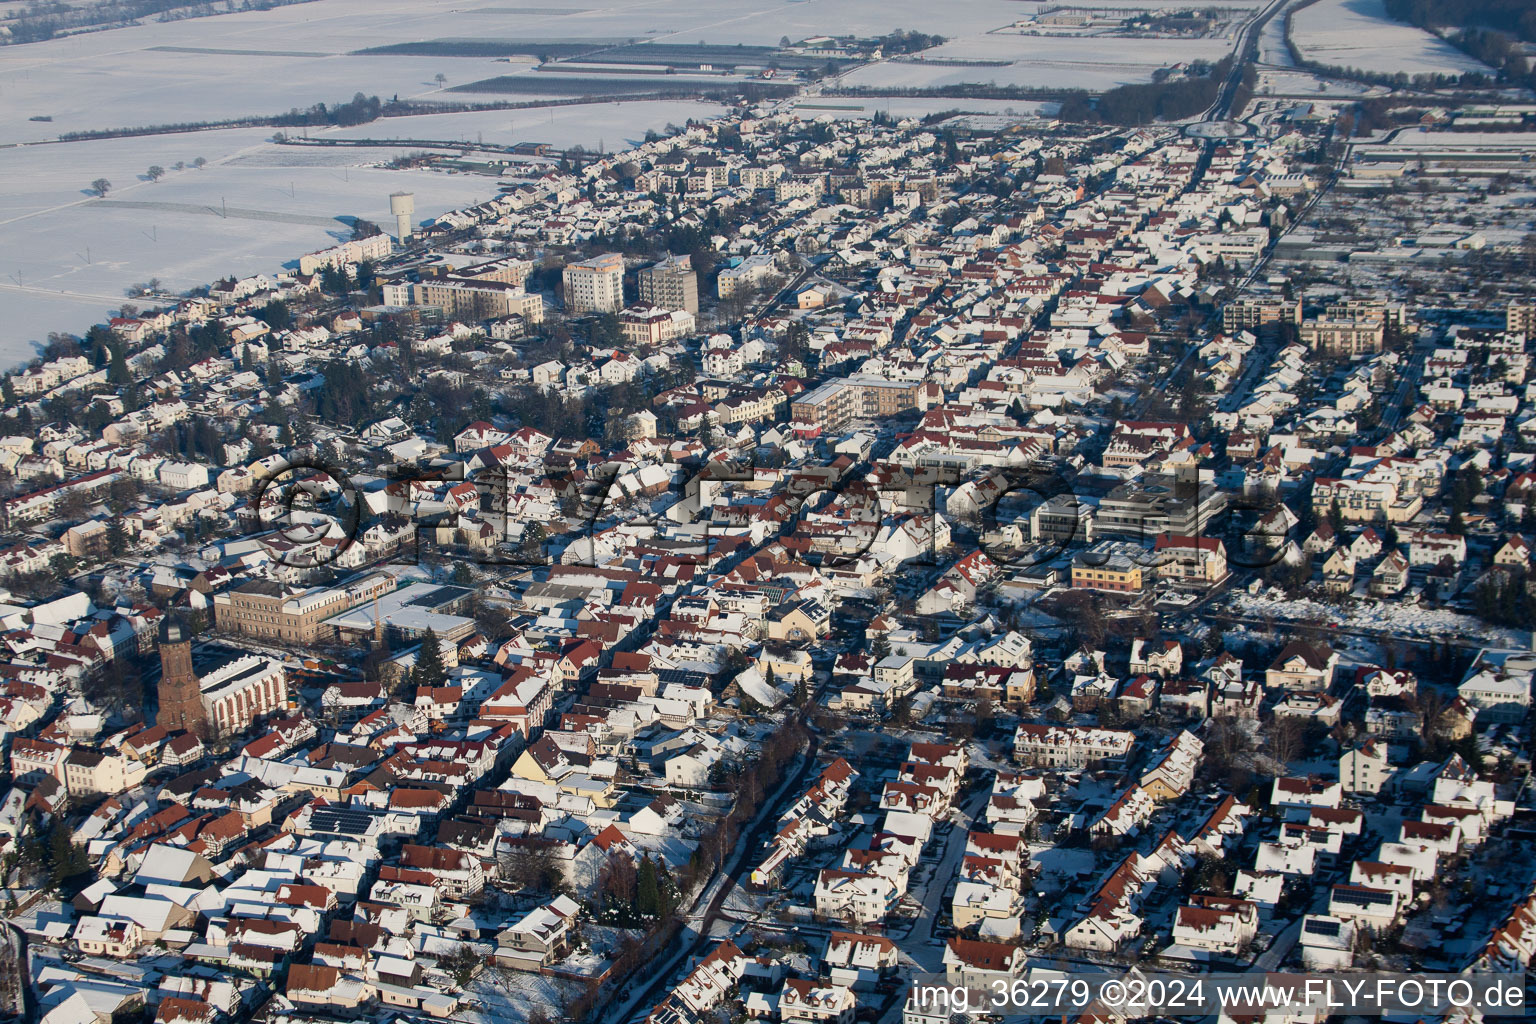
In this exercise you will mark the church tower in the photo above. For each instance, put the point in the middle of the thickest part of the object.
(180, 695)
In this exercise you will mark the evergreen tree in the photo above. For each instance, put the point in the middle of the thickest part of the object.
(65, 859)
(648, 889)
(117, 368)
(880, 647)
(429, 670)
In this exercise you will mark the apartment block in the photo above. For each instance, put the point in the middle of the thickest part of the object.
(1343, 337)
(671, 284)
(595, 285)
(1252, 314)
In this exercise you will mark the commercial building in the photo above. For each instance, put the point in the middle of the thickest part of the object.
(1160, 503)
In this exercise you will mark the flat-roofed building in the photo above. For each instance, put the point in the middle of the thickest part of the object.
(1520, 317)
(1343, 336)
(406, 614)
(836, 403)
(595, 285)
(479, 300)
(671, 284)
(1250, 314)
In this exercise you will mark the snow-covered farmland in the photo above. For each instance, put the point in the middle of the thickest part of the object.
(1359, 34)
(1082, 62)
(69, 257)
(146, 86)
(841, 107)
(613, 126)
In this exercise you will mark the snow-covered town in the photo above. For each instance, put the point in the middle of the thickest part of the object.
(731, 576)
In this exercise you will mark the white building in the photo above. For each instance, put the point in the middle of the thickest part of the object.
(595, 285)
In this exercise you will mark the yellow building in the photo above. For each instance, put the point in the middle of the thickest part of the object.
(1114, 567)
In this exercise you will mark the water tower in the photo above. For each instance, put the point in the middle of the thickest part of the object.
(403, 206)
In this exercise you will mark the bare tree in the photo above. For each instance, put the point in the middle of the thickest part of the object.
(155, 172)
(619, 879)
(1285, 736)
(1430, 704)
(101, 186)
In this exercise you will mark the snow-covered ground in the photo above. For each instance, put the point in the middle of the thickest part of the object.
(1081, 62)
(613, 126)
(1359, 34)
(901, 106)
(1401, 619)
(499, 996)
(1310, 86)
(265, 62)
(148, 86)
(1425, 138)
(67, 258)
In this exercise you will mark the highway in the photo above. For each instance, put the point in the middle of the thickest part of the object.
(1244, 54)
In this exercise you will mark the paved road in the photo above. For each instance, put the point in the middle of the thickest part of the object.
(1244, 53)
(916, 944)
(695, 934)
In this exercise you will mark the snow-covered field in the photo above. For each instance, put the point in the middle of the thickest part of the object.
(901, 106)
(1401, 619)
(265, 62)
(1310, 86)
(133, 88)
(1272, 48)
(613, 126)
(1095, 63)
(1359, 34)
(68, 258)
